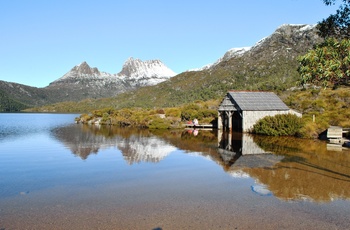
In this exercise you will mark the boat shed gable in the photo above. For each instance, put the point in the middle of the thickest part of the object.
(228, 104)
(256, 101)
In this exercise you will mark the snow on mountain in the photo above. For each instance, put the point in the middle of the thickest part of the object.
(238, 174)
(137, 149)
(84, 71)
(142, 73)
(285, 30)
(134, 72)
(237, 52)
(234, 52)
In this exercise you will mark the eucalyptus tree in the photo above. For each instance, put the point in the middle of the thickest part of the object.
(328, 64)
(336, 25)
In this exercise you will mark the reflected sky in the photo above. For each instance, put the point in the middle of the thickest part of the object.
(22, 125)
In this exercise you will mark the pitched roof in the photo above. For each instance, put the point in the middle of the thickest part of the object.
(255, 101)
(228, 104)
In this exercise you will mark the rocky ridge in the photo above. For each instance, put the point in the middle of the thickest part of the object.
(135, 72)
(298, 31)
(83, 81)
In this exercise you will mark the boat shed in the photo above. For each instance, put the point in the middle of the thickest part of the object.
(240, 110)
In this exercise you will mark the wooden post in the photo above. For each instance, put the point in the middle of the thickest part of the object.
(230, 120)
(226, 120)
(219, 137)
(219, 120)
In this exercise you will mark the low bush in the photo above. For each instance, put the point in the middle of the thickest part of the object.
(173, 112)
(159, 123)
(198, 111)
(279, 125)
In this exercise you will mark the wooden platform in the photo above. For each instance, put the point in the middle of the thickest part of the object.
(335, 134)
(203, 126)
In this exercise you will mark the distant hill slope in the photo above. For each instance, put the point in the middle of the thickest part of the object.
(26, 95)
(10, 105)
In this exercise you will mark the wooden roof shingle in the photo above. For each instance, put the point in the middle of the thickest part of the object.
(253, 101)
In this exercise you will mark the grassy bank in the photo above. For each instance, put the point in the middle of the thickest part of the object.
(320, 108)
(157, 118)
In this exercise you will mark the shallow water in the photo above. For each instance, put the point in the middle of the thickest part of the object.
(59, 175)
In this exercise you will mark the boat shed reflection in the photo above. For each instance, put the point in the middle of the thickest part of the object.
(238, 150)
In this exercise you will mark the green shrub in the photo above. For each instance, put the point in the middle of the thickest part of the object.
(84, 118)
(310, 130)
(205, 113)
(159, 123)
(188, 114)
(279, 125)
(199, 111)
(97, 113)
(173, 112)
(160, 111)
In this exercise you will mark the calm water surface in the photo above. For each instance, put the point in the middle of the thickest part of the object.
(59, 175)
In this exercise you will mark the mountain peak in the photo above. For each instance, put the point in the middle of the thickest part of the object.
(145, 71)
(135, 73)
(132, 63)
(291, 33)
(84, 68)
(83, 64)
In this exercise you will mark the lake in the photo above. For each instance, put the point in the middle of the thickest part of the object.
(59, 175)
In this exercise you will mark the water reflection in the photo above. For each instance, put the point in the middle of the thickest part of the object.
(292, 169)
(288, 168)
(136, 145)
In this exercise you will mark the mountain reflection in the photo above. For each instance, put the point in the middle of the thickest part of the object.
(289, 168)
(136, 145)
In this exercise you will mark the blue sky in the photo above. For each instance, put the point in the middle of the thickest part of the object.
(41, 40)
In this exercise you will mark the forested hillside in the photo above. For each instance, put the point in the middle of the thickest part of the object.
(9, 105)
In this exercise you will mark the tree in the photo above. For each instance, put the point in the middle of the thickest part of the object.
(328, 64)
(336, 25)
(332, 2)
